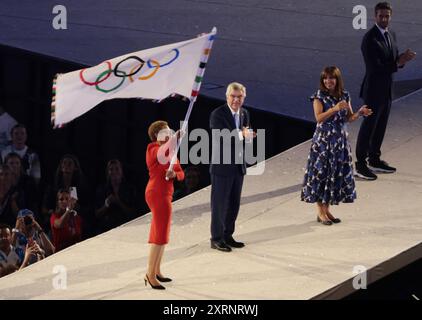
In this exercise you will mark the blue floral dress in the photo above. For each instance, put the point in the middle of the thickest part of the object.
(329, 172)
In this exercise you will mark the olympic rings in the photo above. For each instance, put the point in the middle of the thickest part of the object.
(81, 76)
(157, 66)
(107, 73)
(116, 68)
(167, 63)
(151, 63)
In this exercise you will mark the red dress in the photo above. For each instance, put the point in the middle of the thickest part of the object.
(159, 193)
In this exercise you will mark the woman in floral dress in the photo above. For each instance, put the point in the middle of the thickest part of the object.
(329, 173)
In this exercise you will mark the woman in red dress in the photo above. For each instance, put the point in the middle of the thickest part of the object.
(158, 195)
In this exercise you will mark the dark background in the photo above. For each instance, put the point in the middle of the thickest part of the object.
(277, 48)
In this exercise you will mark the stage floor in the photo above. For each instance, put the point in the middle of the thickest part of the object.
(288, 255)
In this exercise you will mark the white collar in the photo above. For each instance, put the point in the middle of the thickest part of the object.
(382, 30)
(234, 112)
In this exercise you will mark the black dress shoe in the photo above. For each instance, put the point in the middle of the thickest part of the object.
(234, 244)
(381, 166)
(163, 279)
(220, 245)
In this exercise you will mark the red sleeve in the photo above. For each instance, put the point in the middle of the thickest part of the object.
(165, 152)
(180, 175)
(154, 151)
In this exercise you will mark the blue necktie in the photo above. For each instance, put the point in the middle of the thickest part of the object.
(236, 120)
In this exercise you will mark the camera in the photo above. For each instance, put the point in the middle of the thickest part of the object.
(28, 220)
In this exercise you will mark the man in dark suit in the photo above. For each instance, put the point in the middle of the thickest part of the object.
(228, 124)
(379, 50)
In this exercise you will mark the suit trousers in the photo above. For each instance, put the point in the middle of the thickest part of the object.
(225, 204)
(372, 131)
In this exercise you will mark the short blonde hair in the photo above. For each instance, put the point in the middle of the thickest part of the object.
(155, 128)
(235, 86)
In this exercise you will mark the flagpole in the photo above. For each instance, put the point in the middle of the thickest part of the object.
(195, 91)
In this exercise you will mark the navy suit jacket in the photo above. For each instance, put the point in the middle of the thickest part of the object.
(380, 63)
(222, 118)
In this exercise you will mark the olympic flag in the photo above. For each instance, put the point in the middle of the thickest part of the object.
(150, 74)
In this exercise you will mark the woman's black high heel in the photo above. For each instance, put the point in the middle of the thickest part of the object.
(163, 279)
(326, 222)
(159, 287)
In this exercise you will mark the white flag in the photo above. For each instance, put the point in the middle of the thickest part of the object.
(151, 74)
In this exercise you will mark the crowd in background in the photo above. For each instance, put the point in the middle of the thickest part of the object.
(36, 222)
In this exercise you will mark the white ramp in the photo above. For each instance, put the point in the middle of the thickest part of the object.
(288, 255)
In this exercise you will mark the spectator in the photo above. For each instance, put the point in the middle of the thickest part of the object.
(24, 189)
(116, 200)
(10, 259)
(69, 174)
(8, 206)
(66, 224)
(29, 234)
(30, 160)
(6, 125)
(190, 184)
